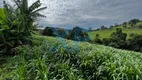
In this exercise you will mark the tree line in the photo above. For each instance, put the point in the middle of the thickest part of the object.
(117, 39)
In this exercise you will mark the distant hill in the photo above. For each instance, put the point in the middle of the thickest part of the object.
(105, 33)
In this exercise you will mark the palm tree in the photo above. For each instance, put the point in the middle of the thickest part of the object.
(28, 14)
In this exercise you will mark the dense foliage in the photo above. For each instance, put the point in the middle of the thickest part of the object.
(123, 36)
(52, 59)
(135, 42)
(118, 40)
(76, 34)
(16, 23)
(48, 32)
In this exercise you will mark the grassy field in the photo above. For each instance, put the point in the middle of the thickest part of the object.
(59, 59)
(106, 33)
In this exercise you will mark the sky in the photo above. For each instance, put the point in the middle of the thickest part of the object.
(88, 13)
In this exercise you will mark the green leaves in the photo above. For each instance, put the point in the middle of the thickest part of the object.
(91, 62)
(2, 15)
(34, 6)
(5, 27)
(16, 23)
(1, 31)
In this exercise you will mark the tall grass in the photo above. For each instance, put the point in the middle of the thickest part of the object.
(50, 60)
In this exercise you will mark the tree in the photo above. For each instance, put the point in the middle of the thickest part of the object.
(124, 24)
(17, 24)
(103, 27)
(133, 22)
(135, 42)
(78, 34)
(119, 38)
(106, 41)
(74, 33)
(118, 34)
(139, 25)
(116, 25)
(97, 39)
(111, 26)
(48, 31)
(28, 14)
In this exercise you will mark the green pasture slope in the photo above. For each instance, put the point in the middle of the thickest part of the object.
(50, 59)
(106, 33)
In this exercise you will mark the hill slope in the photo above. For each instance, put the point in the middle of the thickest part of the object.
(107, 32)
(57, 58)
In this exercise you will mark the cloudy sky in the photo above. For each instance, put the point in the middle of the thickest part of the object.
(88, 13)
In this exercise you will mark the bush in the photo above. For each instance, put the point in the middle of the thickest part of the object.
(97, 39)
(118, 38)
(78, 34)
(113, 44)
(48, 32)
(135, 42)
(106, 41)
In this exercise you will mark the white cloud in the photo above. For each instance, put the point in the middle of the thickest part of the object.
(89, 12)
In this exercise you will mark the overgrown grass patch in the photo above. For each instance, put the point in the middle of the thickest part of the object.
(51, 59)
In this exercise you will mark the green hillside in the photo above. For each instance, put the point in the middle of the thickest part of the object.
(107, 32)
(57, 58)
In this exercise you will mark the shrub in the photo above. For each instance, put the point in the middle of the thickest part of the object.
(78, 34)
(135, 42)
(113, 44)
(48, 32)
(97, 39)
(106, 41)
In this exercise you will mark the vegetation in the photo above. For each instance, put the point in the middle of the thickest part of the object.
(76, 34)
(17, 24)
(135, 42)
(126, 36)
(119, 35)
(118, 40)
(48, 32)
(129, 30)
(47, 58)
(51, 59)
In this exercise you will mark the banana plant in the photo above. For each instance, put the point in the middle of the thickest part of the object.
(28, 14)
(16, 24)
